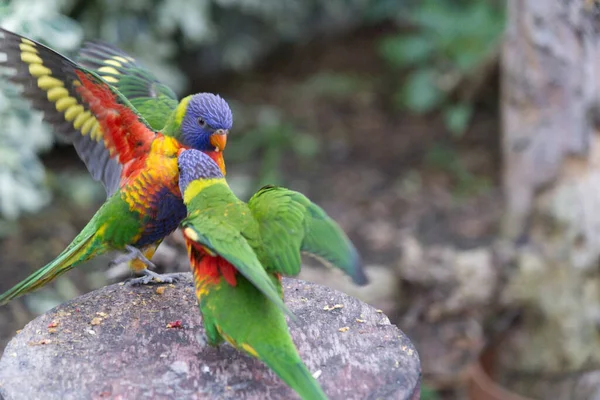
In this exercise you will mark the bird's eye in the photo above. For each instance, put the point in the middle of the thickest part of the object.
(201, 122)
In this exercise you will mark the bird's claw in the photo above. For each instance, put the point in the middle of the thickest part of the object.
(152, 277)
(142, 280)
(133, 253)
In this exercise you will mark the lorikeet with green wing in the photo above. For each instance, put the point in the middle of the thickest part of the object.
(238, 253)
(154, 101)
(136, 162)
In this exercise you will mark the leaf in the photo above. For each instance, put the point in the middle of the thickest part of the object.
(461, 36)
(429, 393)
(444, 157)
(402, 51)
(334, 84)
(437, 17)
(420, 93)
(305, 145)
(457, 118)
(381, 10)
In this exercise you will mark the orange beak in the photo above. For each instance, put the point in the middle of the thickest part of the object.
(219, 139)
(217, 156)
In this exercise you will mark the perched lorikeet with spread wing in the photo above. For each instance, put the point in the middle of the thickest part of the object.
(136, 163)
(152, 99)
(238, 252)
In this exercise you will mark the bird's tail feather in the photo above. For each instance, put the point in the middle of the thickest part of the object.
(293, 372)
(77, 252)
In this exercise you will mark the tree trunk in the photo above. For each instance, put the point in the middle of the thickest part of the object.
(551, 82)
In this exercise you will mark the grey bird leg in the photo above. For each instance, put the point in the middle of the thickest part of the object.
(153, 277)
(149, 276)
(132, 254)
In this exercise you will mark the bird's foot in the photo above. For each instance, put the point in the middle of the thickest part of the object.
(152, 277)
(133, 253)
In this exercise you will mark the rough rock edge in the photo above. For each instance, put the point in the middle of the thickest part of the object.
(115, 342)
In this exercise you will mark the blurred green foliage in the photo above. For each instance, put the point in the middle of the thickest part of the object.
(336, 85)
(208, 36)
(441, 43)
(268, 138)
(445, 158)
(176, 39)
(428, 393)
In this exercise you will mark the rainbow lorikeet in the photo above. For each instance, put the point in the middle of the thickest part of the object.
(238, 253)
(136, 162)
(156, 102)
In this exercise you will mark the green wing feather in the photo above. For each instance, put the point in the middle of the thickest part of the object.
(282, 228)
(223, 239)
(290, 223)
(153, 100)
(258, 327)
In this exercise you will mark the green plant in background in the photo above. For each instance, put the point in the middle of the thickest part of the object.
(447, 43)
(447, 159)
(215, 35)
(334, 85)
(269, 138)
(22, 133)
(428, 393)
(172, 38)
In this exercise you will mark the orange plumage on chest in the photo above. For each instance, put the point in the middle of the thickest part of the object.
(208, 268)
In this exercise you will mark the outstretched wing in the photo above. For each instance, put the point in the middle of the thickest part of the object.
(105, 129)
(154, 100)
(209, 229)
(222, 239)
(291, 223)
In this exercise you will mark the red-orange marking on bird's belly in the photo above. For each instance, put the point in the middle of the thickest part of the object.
(227, 270)
(209, 269)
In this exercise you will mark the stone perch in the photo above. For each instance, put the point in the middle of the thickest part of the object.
(147, 342)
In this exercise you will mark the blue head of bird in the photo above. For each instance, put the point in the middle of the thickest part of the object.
(202, 122)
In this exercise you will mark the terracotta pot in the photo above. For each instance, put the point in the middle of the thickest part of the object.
(481, 384)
